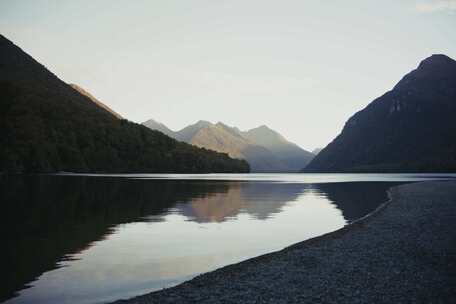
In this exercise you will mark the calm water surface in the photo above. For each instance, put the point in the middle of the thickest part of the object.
(98, 238)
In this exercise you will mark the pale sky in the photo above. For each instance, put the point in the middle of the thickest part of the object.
(300, 67)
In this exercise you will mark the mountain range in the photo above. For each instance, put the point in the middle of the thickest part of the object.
(263, 148)
(48, 126)
(411, 128)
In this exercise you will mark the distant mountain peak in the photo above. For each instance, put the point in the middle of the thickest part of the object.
(222, 124)
(158, 126)
(262, 128)
(225, 126)
(265, 149)
(266, 132)
(151, 120)
(203, 123)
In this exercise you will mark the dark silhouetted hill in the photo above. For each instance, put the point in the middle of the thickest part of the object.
(411, 128)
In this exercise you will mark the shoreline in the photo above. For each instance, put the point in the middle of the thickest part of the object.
(336, 266)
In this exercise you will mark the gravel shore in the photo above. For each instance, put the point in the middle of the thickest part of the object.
(403, 253)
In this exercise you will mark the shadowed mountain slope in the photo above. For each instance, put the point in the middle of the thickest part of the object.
(411, 128)
(47, 126)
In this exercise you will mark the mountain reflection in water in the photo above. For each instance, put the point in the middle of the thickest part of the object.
(50, 221)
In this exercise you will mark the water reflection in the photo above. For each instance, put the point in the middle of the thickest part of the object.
(119, 237)
(47, 218)
(356, 200)
(260, 200)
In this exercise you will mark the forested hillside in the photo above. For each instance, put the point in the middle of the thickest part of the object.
(47, 126)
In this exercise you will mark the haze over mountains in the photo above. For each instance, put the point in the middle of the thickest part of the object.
(264, 149)
(48, 126)
(411, 128)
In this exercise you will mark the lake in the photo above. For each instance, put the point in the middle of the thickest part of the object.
(99, 238)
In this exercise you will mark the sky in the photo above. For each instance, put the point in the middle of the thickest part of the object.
(300, 67)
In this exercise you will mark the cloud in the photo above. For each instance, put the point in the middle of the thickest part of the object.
(436, 5)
